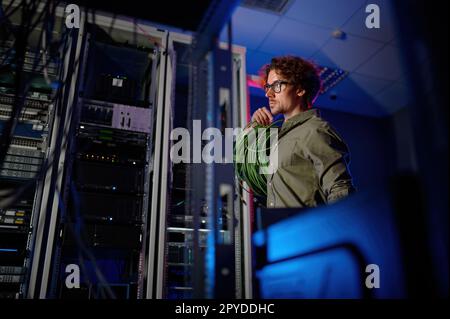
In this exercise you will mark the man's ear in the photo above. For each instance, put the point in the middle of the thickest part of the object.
(300, 92)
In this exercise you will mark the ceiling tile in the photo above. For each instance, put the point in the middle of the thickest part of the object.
(386, 64)
(357, 24)
(250, 27)
(359, 88)
(328, 13)
(292, 37)
(255, 60)
(347, 53)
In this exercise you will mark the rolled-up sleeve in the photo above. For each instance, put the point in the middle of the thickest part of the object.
(330, 158)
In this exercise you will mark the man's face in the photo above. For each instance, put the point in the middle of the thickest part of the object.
(286, 100)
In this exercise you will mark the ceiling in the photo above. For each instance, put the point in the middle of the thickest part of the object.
(185, 15)
(376, 82)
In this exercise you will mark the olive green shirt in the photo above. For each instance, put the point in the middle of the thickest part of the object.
(312, 164)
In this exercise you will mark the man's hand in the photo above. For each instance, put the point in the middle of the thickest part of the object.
(262, 116)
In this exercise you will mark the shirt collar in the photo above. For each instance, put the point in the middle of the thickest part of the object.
(298, 119)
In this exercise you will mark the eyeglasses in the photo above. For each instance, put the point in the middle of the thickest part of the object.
(275, 86)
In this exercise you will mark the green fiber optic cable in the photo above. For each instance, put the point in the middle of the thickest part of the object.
(248, 155)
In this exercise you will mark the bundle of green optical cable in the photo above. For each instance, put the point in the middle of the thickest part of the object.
(250, 155)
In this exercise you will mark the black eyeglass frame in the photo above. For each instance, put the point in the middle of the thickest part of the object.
(275, 86)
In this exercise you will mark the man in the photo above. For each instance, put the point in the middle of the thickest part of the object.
(312, 158)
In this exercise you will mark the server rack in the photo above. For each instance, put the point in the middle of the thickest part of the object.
(112, 171)
(193, 234)
(100, 225)
(31, 72)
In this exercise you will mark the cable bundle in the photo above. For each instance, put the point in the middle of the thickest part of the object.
(252, 146)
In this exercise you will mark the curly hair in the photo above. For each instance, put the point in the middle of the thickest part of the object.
(301, 73)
